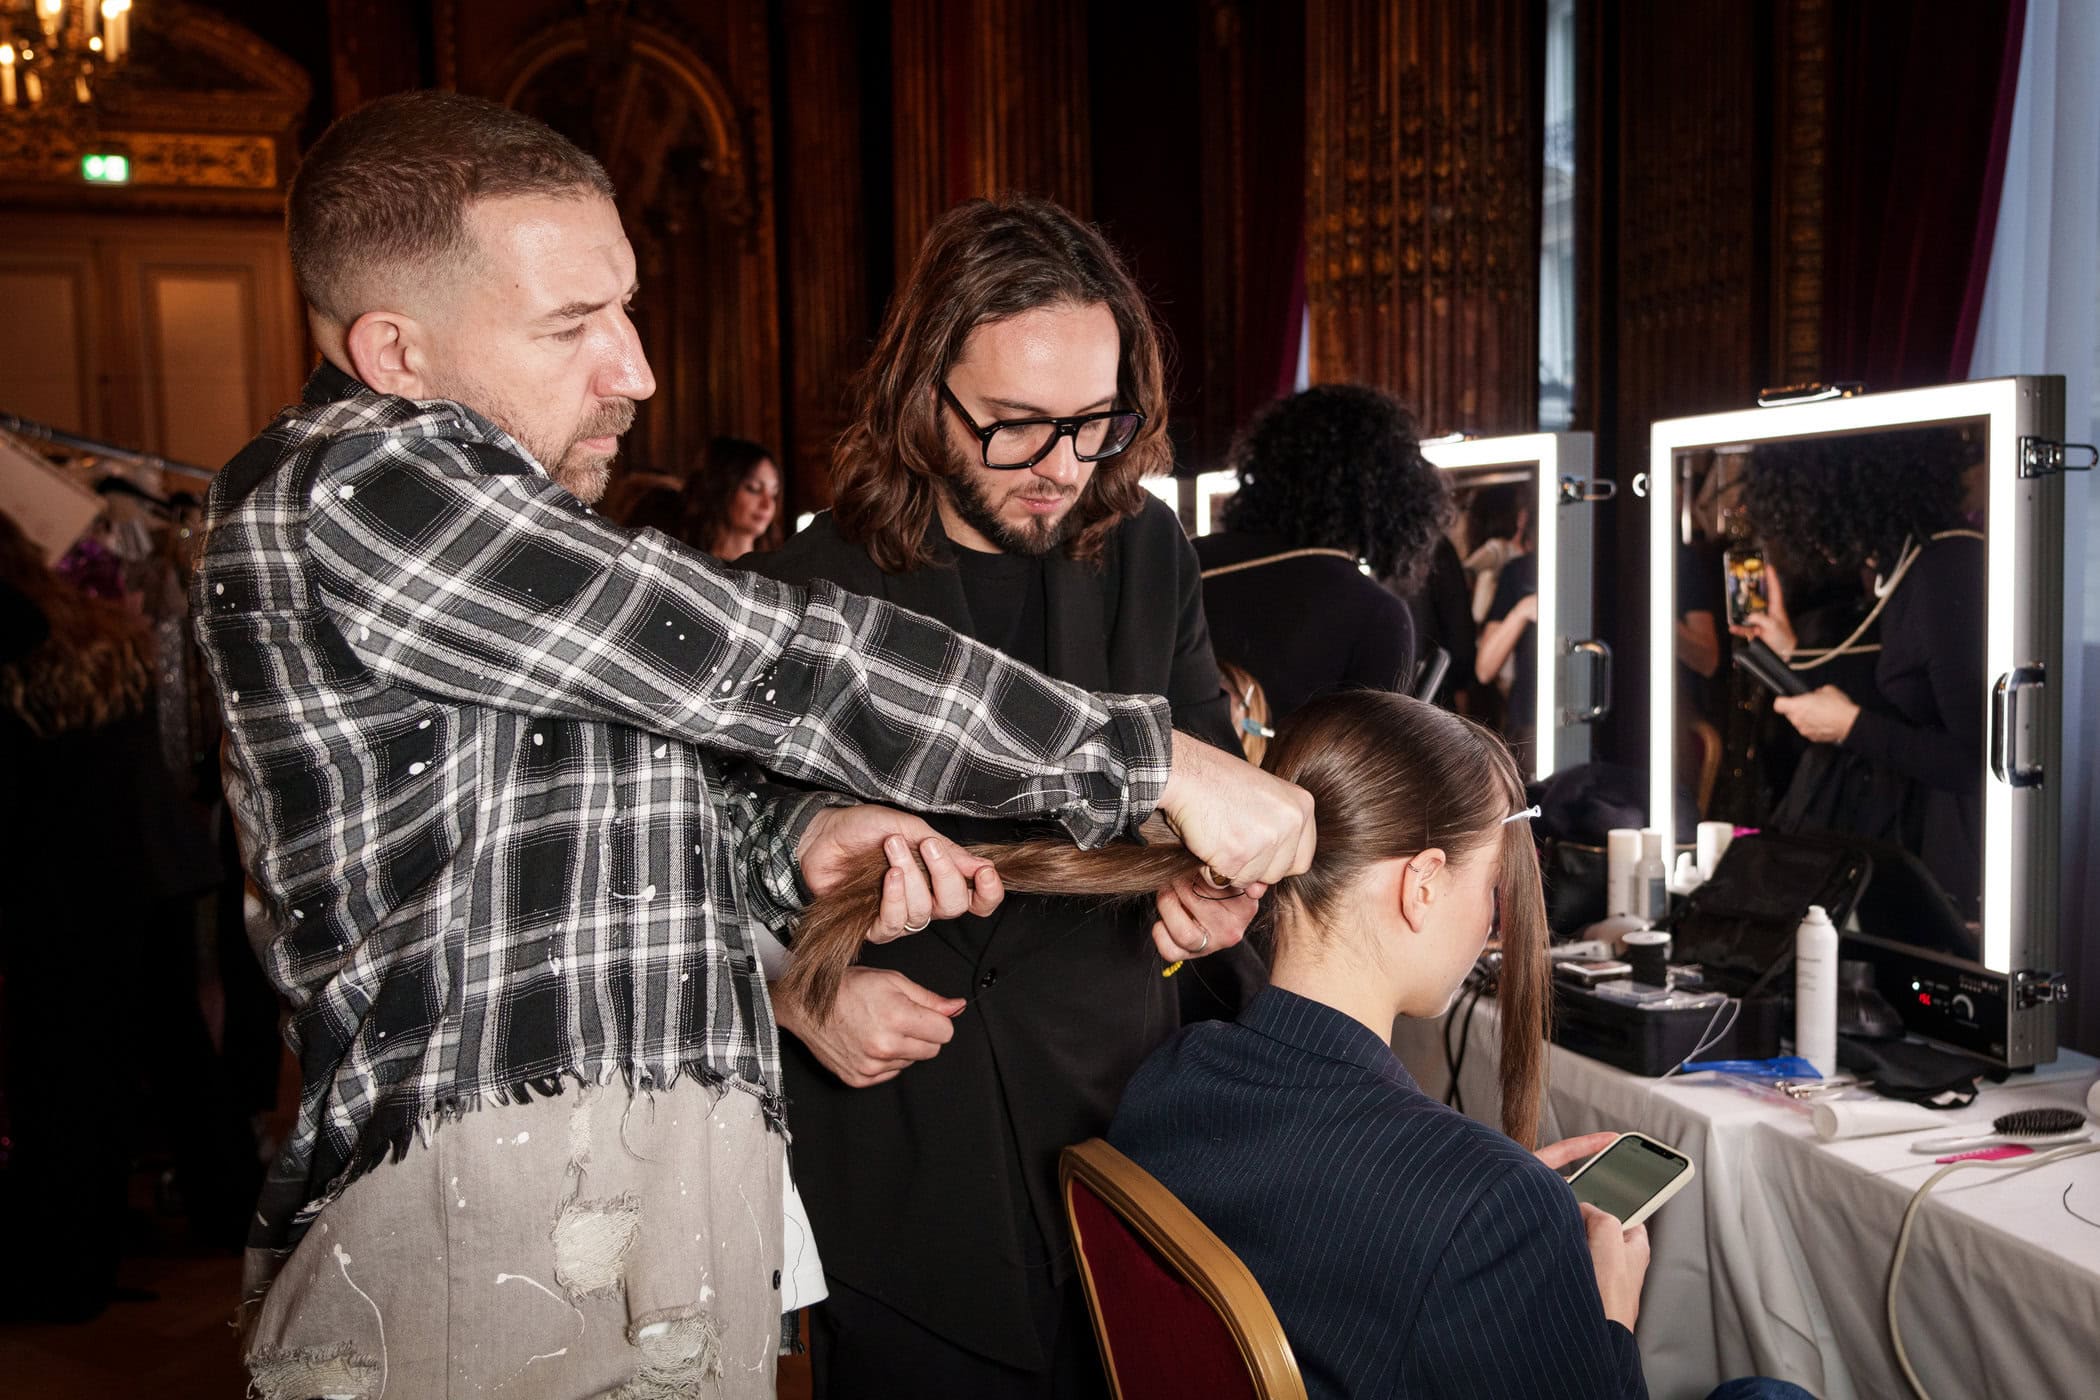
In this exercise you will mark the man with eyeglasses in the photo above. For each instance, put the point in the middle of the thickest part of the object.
(992, 479)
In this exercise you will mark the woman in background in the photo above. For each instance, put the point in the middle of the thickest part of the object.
(732, 504)
(1332, 484)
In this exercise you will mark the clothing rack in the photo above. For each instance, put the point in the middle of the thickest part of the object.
(44, 432)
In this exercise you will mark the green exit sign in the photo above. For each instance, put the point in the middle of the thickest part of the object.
(105, 170)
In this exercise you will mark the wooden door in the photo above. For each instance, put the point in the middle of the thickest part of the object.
(180, 337)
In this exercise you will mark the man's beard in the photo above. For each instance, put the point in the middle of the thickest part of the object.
(977, 507)
(584, 475)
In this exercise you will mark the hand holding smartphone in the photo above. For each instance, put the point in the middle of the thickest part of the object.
(1632, 1178)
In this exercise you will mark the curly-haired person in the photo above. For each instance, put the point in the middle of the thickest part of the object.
(1893, 507)
(1332, 484)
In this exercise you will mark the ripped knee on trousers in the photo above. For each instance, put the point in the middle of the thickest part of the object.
(310, 1372)
(678, 1357)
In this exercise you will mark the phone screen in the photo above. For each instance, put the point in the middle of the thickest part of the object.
(1627, 1175)
(1745, 578)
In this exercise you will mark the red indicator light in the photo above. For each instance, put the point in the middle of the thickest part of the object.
(1924, 998)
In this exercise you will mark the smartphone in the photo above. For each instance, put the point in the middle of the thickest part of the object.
(1744, 572)
(1632, 1178)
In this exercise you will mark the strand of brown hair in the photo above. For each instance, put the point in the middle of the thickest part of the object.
(828, 938)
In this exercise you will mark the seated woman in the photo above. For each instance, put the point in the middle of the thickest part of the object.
(1406, 1249)
(1330, 478)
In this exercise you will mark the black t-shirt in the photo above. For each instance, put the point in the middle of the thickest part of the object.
(1518, 580)
(1008, 605)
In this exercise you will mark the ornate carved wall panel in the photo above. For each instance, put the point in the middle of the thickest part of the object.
(1422, 176)
(1799, 175)
(826, 321)
(988, 96)
(676, 101)
(1691, 275)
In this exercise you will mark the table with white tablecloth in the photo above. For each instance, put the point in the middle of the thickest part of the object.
(1775, 1261)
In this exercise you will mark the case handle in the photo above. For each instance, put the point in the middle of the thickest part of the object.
(2005, 728)
(1600, 681)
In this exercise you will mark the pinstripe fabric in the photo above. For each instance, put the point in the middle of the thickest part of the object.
(1408, 1250)
(493, 760)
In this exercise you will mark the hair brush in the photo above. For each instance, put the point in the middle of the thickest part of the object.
(2030, 1127)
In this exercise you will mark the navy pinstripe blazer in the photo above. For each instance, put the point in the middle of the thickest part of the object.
(1408, 1250)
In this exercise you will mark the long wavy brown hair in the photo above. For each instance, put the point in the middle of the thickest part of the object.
(1389, 776)
(985, 261)
(93, 668)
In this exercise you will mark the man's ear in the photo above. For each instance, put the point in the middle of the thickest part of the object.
(388, 354)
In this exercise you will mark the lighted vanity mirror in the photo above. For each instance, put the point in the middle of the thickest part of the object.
(1522, 538)
(1855, 608)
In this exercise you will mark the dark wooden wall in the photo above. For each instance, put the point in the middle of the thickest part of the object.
(1700, 240)
(1372, 163)
(1424, 151)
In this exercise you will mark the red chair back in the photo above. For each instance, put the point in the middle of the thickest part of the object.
(1175, 1311)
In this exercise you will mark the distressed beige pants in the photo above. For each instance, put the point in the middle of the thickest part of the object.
(588, 1245)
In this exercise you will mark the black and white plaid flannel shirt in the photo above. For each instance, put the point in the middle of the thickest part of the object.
(493, 759)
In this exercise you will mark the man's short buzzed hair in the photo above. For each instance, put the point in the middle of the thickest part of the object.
(386, 189)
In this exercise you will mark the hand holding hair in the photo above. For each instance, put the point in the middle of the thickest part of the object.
(829, 935)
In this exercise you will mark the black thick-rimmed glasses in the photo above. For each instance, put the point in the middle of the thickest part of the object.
(1013, 443)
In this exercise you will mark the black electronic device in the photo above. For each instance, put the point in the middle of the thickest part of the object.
(1637, 1035)
(1764, 665)
(1739, 926)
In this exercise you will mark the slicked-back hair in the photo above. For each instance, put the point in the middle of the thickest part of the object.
(986, 261)
(388, 186)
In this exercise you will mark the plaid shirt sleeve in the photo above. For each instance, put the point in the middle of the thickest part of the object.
(454, 568)
(765, 822)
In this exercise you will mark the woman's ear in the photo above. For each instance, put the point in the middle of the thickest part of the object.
(1419, 887)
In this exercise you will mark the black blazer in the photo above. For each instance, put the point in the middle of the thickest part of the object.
(1407, 1250)
(937, 1192)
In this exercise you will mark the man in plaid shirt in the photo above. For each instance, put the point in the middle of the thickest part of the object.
(497, 765)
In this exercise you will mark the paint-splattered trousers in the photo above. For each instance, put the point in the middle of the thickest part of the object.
(588, 1245)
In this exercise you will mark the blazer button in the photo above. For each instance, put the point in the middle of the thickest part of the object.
(991, 975)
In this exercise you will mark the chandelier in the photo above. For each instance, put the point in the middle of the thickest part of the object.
(52, 52)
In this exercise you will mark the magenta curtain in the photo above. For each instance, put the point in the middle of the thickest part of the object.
(1920, 107)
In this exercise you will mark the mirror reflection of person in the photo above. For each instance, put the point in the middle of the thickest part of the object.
(1889, 507)
(1510, 637)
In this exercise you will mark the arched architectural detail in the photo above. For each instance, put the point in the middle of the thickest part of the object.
(644, 48)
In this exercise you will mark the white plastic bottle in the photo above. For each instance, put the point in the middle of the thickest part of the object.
(1651, 879)
(1815, 991)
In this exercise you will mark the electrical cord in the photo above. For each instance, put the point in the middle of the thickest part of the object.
(1732, 1008)
(1454, 1064)
(1910, 1217)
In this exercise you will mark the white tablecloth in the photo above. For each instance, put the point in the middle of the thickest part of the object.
(1779, 1269)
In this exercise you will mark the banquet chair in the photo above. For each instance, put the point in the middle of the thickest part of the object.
(1176, 1312)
